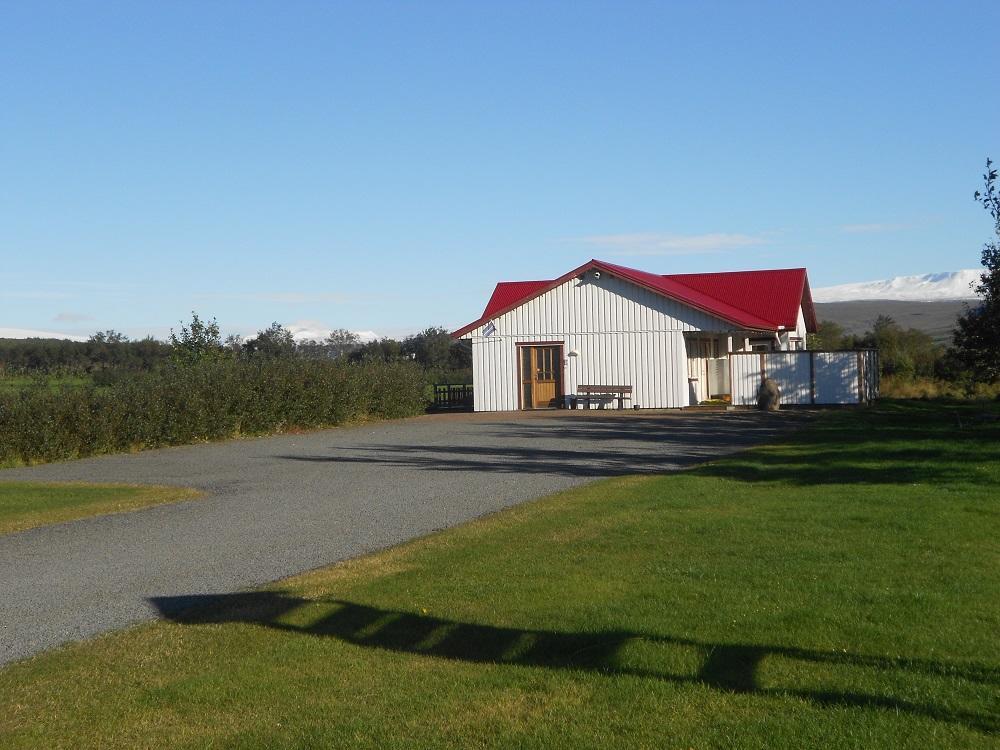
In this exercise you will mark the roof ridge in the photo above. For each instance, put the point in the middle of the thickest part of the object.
(744, 270)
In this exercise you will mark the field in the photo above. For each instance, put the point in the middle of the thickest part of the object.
(25, 505)
(837, 590)
(13, 383)
(935, 318)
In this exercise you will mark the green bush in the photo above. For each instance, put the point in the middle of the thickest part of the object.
(208, 399)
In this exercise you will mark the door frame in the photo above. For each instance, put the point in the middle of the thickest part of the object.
(517, 370)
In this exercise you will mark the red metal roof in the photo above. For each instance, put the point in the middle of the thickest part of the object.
(511, 293)
(757, 300)
(774, 295)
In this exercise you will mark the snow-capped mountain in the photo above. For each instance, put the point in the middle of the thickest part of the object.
(926, 288)
(27, 333)
(314, 330)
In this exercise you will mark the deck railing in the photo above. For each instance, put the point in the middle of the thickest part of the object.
(452, 397)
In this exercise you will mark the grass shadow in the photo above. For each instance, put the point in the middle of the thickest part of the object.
(730, 667)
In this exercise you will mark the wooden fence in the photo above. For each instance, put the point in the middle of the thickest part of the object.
(450, 397)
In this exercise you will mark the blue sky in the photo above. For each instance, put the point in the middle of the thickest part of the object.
(379, 166)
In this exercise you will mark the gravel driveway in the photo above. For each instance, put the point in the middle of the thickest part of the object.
(281, 505)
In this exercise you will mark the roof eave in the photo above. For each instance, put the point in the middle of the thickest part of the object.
(548, 287)
(808, 307)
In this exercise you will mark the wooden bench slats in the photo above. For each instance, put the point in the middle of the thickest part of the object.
(604, 389)
(589, 393)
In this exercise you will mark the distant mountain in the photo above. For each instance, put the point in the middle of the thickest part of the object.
(314, 330)
(937, 318)
(951, 285)
(25, 333)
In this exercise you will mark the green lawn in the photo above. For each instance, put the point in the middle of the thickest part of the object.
(24, 505)
(839, 590)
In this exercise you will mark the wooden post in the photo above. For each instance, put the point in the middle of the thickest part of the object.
(812, 377)
(877, 379)
(732, 386)
(861, 378)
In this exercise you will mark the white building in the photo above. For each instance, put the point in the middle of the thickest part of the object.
(668, 338)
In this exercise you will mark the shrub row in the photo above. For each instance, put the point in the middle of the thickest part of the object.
(893, 386)
(207, 400)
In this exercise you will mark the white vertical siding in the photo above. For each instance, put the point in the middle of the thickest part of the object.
(800, 326)
(652, 362)
(605, 305)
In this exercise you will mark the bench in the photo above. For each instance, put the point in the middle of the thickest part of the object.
(586, 394)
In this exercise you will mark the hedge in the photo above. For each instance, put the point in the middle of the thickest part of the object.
(207, 400)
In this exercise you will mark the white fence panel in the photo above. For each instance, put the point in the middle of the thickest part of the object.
(870, 374)
(806, 377)
(836, 377)
(791, 371)
(746, 378)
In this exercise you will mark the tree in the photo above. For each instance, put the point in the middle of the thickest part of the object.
(431, 347)
(383, 350)
(977, 337)
(233, 344)
(103, 350)
(110, 336)
(460, 356)
(829, 335)
(197, 340)
(341, 342)
(338, 344)
(905, 352)
(273, 342)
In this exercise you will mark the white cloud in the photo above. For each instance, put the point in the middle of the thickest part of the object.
(72, 317)
(655, 243)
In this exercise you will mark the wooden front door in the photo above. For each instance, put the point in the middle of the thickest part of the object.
(541, 376)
